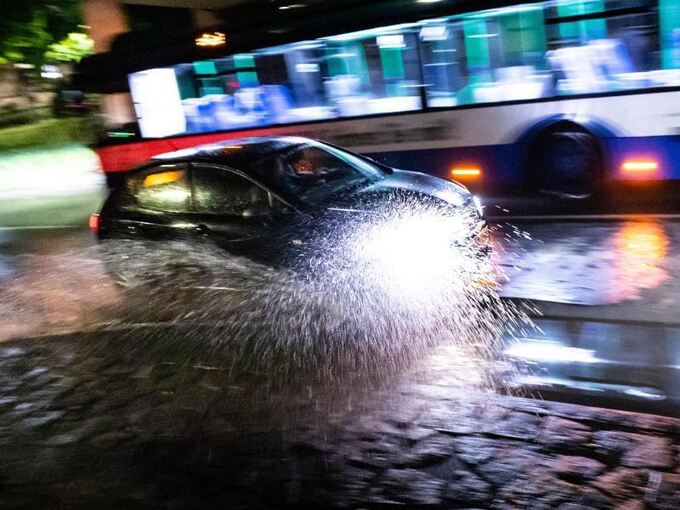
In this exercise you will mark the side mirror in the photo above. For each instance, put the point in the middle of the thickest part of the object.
(257, 211)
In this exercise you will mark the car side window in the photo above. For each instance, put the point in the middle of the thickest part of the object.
(311, 173)
(219, 191)
(163, 188)
(317, 165)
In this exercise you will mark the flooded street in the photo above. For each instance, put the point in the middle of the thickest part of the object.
(180, 398)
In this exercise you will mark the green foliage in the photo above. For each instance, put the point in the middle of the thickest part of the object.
(29, 27)
(71, 49)
(47, 133)
(12, 116)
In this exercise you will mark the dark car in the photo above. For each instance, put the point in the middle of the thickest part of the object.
(264, 198)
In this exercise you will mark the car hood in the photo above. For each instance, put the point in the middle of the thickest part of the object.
(403, 183)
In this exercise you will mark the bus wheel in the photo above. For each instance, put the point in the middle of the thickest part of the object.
(565, 162)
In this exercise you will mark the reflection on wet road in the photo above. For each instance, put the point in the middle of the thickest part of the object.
(613, 364)
(592, 264)
(620, 345)
(48, 283)
(642, 249)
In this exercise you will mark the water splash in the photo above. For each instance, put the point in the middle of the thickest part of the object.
(371, 297)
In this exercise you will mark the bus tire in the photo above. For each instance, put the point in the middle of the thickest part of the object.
(565, 161)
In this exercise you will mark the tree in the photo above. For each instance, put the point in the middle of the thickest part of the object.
(71, 49)
(29, 27)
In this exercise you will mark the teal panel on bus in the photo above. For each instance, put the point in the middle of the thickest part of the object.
(585, 30)
(478, 55)
(247, 79)
(205, 67)
(669, 31)
(522, 36)
(477, 48)
(336, 63)
(533, 30)
(511, 37)
(392, 62)
(185, 83)
(208, 91)
(244, 61)
(246, 74)
(211, 86)
(347, 59)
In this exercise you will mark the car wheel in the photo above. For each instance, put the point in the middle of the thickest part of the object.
(566, 162)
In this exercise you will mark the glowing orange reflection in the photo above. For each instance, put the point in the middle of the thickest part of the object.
(94, 222)
(162, 178)
(641, 246)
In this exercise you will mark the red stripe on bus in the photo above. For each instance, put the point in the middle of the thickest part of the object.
(118, 158)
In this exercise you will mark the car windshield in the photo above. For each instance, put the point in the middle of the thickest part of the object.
(313, 173)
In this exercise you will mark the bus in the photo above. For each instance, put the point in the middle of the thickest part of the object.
(561, 96)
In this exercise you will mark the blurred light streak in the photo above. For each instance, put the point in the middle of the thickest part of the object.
(466, 172)
(639, 166)
(540, 350)
(291, 6)
(211, 39)
(49, 172)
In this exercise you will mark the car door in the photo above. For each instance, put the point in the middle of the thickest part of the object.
(233, 210)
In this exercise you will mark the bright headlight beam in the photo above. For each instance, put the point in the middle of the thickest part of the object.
(478, 205)
(418, 253)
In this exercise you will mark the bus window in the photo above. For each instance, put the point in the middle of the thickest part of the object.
(443, 61)
(505, 54)
(280, 85)
(599, 50)
(220, 94)
(373, 72)
(669, 33)
(291, 83)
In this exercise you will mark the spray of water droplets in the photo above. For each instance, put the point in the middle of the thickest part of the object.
(369, 296)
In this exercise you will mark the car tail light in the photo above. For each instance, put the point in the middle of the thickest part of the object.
(94, 223)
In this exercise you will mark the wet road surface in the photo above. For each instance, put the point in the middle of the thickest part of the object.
(150, 418)
(166, 415)
(604, 294)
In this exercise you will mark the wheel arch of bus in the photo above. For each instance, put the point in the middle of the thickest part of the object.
(596, 130)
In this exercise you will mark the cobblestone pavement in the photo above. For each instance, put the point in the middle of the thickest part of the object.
(139, 418)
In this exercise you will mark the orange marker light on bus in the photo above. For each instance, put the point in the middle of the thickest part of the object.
(466, 172)
(639, 166)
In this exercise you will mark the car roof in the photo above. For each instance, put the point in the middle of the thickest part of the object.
(238, 153)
